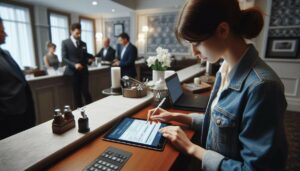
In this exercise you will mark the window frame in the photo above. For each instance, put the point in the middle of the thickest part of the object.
(94, 28)
(32, 23)
(57, 12)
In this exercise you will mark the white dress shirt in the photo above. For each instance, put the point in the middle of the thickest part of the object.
(123, 50)
(74, 41)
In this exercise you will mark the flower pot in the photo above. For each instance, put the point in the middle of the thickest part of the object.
(158, 75)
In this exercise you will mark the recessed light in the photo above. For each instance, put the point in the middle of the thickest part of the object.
(95, 3)
(113, 10)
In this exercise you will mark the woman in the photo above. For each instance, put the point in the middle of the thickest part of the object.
(242, 128)
(50, 59)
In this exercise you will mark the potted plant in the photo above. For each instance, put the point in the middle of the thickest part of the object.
(159, 64)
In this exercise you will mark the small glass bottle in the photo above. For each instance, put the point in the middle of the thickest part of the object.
(58, 118)
(68, 113)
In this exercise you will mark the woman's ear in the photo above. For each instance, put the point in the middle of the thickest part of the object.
(223, 30)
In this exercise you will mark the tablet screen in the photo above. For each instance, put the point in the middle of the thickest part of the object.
(138, 132)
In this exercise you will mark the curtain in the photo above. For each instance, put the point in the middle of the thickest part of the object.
(87, 34)
(59, 25)
(19, 40)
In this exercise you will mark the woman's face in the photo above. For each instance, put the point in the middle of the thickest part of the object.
(51, 49)
(210, 49)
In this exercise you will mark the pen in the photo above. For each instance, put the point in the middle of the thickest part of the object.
(158, 106)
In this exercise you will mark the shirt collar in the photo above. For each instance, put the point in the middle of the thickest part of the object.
(73, 39)
(241, 70)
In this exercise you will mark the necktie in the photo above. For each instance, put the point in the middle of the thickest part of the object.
(77, 43)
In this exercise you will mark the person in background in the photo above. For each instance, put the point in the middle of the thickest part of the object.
(107, 53)
(126, 56)
(16, 104)
(242, 128)
(51, 59)
(76, 58)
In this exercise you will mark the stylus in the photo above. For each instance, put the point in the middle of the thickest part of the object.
(158, 106)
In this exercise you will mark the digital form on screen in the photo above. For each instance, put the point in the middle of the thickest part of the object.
(138, 131)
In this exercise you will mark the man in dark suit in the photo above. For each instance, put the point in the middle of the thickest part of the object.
(16, 103)
(126, 56)
(74, 54)
(107, 53)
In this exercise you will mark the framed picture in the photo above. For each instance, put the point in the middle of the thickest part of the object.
(118, 29)
(283, 47)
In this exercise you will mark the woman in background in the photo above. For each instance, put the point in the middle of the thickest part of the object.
(242, 128)
(50, 59)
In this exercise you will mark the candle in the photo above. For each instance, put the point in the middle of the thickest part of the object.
(208, 68)
(115, 77)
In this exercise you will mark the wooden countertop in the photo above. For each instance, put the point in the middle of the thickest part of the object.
(141, 159)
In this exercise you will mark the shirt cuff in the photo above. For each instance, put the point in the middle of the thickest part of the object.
(211, 161)
(197, 121)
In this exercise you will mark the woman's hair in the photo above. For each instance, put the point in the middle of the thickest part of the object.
(50, 44)
(199, 19)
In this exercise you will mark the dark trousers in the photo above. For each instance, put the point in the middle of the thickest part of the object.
(80, 82)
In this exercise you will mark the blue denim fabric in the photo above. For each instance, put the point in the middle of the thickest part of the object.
(245, 129)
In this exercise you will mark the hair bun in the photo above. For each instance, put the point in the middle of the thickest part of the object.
(251, 23)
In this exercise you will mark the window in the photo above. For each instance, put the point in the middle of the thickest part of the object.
(87, 34)
(19, 42)
(59, 30)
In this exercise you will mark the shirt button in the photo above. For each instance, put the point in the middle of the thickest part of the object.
(218, 121)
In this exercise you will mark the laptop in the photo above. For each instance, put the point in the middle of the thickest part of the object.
(184, 101)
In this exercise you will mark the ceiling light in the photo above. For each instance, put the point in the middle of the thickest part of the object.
(113, 10)
(95, 3)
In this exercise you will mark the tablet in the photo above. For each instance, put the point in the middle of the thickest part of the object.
(137, 132)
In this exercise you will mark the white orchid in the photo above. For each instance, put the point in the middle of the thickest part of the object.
(161, 61)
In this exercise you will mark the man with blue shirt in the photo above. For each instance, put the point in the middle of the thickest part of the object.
(126, 56)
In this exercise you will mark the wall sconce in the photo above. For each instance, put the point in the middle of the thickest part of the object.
(99, 36)
(145, 29)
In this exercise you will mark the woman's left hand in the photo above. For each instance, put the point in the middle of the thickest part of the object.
(178, 138)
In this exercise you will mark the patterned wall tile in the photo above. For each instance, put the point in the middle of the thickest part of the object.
(163, 34)
(290, 32)
(109, 28)
(285, 12)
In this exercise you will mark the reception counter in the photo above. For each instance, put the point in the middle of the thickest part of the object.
(55, 91)
(35, 148)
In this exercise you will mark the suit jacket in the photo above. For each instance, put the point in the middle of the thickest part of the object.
(72, 55)
(127, 63)
(110, 55)
(15, 94)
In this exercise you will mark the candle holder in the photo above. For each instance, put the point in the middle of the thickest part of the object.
(112, 91)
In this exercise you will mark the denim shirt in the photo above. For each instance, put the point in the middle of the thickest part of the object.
(245, 129)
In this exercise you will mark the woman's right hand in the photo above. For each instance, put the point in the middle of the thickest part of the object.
(160, 115)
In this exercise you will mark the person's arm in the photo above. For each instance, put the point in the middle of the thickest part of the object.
(261, 137)
(46, 62)
(113, 53)
(132, 56)
(99, 54)
(65, 56)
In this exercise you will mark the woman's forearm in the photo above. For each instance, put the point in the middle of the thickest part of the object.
(182, 118)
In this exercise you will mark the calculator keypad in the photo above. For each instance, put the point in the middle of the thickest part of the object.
(112, 159)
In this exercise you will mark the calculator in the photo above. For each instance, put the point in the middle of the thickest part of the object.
(112, 159)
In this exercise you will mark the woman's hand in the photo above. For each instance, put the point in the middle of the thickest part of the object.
(178, 138)
(160, 115)
(180, 141)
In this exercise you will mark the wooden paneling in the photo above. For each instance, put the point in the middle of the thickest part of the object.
(56, 92)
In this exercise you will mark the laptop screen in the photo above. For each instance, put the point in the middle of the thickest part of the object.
(174, 87)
